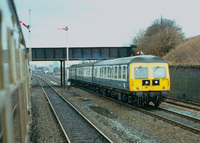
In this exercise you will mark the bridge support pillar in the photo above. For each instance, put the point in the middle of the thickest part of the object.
(62, 73)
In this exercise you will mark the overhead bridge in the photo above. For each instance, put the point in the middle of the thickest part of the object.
(80, 53)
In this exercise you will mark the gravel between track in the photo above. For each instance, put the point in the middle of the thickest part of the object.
(45, 128)
(130, 126)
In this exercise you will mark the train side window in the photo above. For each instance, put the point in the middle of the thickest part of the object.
(90, 72)
(105, 72)
(81, 71)
(116, 72)
(97, 71)
(113, 72)
(110, 72)
(119, 72)
(101, 71)
(124, 72)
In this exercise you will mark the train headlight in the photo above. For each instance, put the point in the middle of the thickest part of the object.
(155, 82)
(145, 82)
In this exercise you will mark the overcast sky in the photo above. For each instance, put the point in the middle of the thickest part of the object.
(101, 22)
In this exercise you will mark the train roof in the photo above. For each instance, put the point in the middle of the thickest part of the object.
(83, 65)
(134, 59)
(126, 60)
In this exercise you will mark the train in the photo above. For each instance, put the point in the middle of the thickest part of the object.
(15, 87)
(137, 80)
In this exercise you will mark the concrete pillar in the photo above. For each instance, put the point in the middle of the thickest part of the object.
(61, 74)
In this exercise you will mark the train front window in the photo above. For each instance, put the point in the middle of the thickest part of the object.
(159, 72)
(141, 72)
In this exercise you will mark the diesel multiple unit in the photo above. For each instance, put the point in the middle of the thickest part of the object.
(137, 80)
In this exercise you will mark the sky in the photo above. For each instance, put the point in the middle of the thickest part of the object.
(99, 23)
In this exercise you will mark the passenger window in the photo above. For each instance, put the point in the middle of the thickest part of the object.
(113, 72)
(105, 72)
(116, 72)
(119, 72)
(141, 72)
(159, 72)
(101, 71)
(95, 72)
(90, 71)
(110, 72)
(124, 72)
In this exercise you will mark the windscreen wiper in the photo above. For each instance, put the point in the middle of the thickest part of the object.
(156, 68)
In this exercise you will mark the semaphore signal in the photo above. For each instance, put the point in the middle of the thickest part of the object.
(66, 28)
(27, 26)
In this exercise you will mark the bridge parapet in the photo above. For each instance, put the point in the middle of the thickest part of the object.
(80, 53)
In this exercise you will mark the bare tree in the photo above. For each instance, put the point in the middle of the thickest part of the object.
(159, 38)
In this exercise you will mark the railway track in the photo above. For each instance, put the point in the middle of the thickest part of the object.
(75, 126)
(196, 120)
(188, 123)
(184, 104)
(184, 121)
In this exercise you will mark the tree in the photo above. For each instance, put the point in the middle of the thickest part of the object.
(159, 38)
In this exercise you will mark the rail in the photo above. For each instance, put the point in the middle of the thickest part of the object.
(76, 126)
